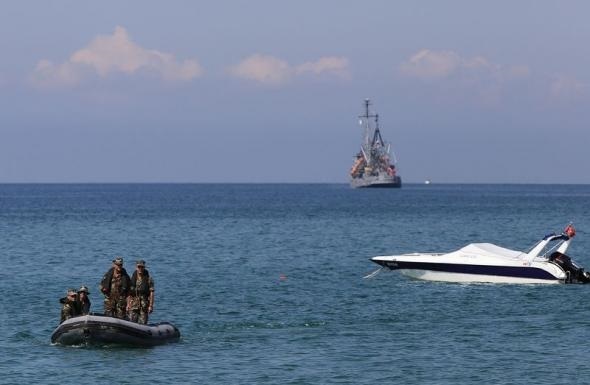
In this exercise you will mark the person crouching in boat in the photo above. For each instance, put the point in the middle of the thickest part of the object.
(83, 301)
(141, 294)
(69, 308)
(115, 287)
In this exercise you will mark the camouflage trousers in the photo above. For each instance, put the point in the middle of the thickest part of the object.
(139, 309)
(115, 307)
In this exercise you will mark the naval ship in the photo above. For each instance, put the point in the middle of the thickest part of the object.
(372, 165)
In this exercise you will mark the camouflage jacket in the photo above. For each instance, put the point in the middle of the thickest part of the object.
(105, 283)
(141, 285)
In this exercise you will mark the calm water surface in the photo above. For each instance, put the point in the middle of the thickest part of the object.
(265, 283)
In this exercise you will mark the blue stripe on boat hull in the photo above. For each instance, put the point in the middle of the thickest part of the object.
(502, 271)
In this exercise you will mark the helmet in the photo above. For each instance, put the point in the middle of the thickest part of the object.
(118, 261)
(83, 289)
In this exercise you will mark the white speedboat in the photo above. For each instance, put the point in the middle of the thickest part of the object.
(486, 262)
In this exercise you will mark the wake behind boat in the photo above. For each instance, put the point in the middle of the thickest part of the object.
(488, 263)
(100, 329)
(372, 166)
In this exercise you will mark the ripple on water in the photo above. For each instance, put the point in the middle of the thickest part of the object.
(265, 284)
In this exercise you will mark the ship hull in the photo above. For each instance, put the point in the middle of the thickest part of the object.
(376, 182)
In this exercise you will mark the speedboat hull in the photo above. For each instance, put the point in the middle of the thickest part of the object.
(465, 273)
(99, 329)
(430, 275)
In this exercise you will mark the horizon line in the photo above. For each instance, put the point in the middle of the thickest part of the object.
(288, 183)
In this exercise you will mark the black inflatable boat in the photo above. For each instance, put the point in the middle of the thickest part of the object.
(100, 329)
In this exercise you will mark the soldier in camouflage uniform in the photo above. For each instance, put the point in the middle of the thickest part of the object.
(115, 287)
(141, 294)
(83, 300)
(69, 308)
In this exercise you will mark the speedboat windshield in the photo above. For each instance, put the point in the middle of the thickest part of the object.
(490, 250)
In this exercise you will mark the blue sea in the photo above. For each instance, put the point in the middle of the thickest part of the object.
(265, 283)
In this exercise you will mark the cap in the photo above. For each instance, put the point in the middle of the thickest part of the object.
(83, 289)
(118, 261)
(71, 291)
(140, 262)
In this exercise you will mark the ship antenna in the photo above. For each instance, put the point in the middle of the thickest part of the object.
(377, 135)
(367, 124)
(367, 115)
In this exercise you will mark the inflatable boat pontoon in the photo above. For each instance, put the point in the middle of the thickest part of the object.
(100, 329)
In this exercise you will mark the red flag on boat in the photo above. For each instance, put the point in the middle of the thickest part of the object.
(570, 231)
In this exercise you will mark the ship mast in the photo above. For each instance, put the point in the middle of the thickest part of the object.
(366, 147)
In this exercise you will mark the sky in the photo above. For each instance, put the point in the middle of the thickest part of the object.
(270, 91)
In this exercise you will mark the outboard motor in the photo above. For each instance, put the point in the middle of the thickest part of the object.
(575, 273)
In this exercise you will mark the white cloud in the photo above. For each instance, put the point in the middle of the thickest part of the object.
(432, 65)
(329, 64)
(519, 71)
(428, 64)
(477, 77)
(566, 87)
(270, 70)
(112, 54)
(264, 69)
(48, 74)
(463, 77)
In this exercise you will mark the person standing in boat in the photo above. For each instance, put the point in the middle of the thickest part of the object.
(83, 301)
(141, 294)
(69, 308)
(115, 287)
